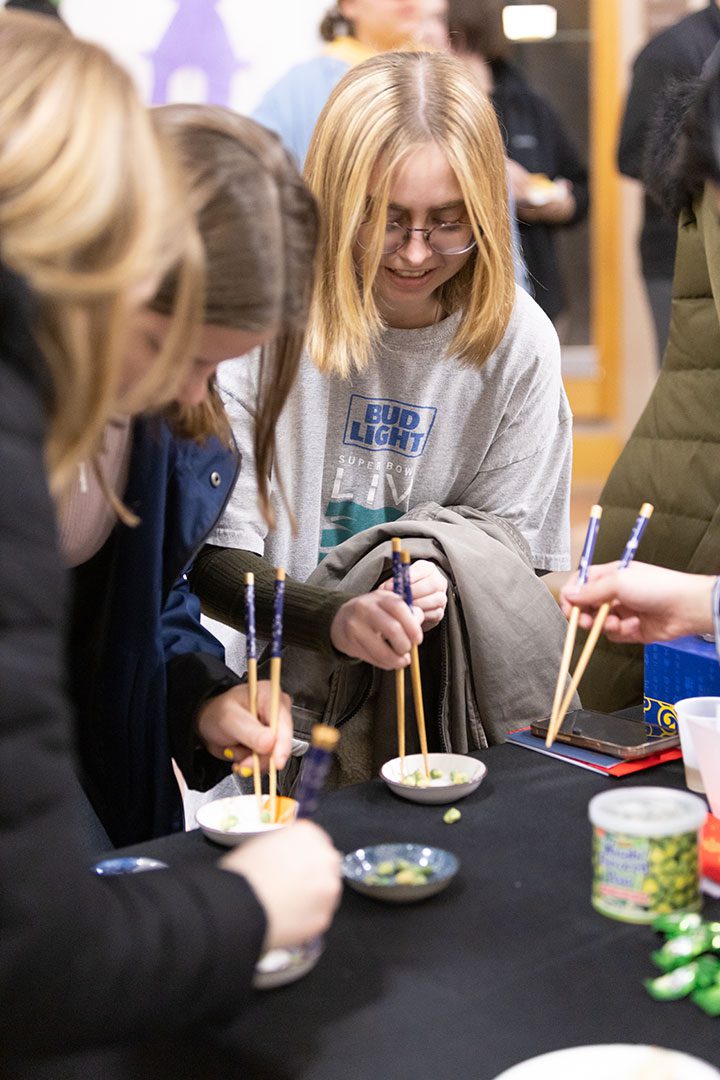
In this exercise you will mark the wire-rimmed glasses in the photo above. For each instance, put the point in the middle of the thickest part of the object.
(447, 238)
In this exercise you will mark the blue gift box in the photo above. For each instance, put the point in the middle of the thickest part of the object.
(687, 667)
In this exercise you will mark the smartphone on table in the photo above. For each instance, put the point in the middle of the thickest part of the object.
(608, 734)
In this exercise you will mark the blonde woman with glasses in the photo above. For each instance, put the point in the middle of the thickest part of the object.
(428, 376)
(92, 217)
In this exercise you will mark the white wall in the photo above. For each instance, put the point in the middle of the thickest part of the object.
(268, 35)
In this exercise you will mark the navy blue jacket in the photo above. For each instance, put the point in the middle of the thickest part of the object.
(141, 662)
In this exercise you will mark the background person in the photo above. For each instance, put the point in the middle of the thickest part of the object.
(671, 456)
(537, 144)
(35, 7)
(354, 31)
(678, 53)
(91, 215)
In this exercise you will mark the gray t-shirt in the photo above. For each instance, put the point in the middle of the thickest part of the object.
(417, 426)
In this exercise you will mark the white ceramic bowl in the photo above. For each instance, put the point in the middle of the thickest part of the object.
(437, 791)
(617, 1060)
(235, 819)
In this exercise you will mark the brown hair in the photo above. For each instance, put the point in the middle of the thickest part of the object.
(258, 225)
(335, 25)
(477, 29)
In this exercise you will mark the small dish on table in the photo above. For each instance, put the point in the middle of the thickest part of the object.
(399, 873)
(235, 819)
(278, 967)
(452, 777)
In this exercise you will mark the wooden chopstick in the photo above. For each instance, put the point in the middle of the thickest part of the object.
(583, 567)
(251, 660)
(399, 674)
(275, 669)
(415, 668)
(599, 621)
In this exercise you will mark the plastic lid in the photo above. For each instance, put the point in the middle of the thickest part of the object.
(647, 811)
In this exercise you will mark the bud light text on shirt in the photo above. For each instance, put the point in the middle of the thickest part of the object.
(377, 424)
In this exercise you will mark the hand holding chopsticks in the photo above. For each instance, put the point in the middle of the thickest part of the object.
(598, 623)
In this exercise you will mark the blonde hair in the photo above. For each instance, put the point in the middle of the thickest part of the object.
(258, 225)
(92, 214)
(379, 113)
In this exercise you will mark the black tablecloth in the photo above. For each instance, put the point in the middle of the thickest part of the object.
(509, 962)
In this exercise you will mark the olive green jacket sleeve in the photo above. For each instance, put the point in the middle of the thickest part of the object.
(671, 458)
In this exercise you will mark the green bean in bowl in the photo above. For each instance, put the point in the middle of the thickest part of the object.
(399, 872)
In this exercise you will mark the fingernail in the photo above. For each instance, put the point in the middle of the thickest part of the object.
(228, 753)
(245, 771)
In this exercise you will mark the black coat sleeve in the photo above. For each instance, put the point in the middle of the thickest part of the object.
(647, 81)
(83, 960)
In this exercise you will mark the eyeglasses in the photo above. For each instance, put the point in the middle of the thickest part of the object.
(449, 238)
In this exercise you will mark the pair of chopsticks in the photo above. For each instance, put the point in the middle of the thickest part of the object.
(402, 587)
(561, 703)
(275, 671)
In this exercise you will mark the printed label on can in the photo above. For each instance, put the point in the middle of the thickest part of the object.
(636, 878)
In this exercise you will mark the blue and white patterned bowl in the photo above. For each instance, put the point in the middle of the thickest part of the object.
(358, 865)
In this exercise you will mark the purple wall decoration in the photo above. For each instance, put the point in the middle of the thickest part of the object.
(196, 38)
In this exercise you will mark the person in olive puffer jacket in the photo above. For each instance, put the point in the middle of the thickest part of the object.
(671, 458)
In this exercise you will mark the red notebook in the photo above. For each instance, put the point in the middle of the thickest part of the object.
(591, 759)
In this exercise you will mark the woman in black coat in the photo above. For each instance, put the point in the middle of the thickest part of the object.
(91, 216)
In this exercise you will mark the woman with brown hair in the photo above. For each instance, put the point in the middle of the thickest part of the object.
(92, 215)
(149, 681)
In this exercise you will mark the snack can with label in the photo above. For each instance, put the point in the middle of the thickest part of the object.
(645, 852)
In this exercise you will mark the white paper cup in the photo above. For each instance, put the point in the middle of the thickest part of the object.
(706, 739)
(695, 708)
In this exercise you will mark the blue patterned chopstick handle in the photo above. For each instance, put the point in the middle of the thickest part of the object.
(314, 768)
(277, 623)
(588, 550)
(406, 586)
(250, 638)
(397, 573)
(312, 780)
(635, 536)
